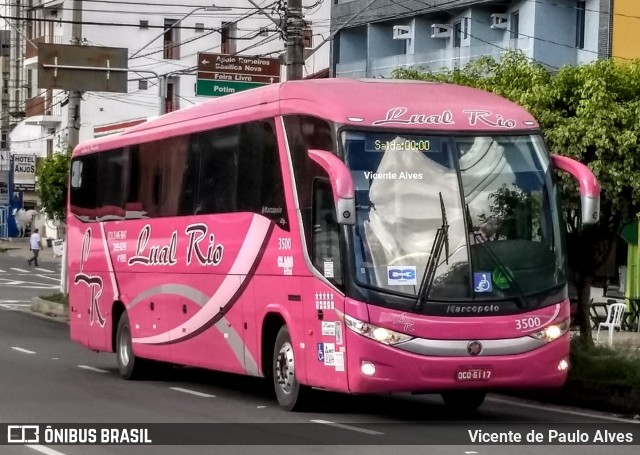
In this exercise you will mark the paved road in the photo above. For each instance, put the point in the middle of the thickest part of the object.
(44, 378)
(20, 281)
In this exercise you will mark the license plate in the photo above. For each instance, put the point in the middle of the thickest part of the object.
(473, 374)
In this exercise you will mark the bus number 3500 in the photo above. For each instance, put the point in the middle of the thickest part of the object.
(528, 323)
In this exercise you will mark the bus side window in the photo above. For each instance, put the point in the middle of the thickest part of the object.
(260, 184)
(325, 252)
(217, 183)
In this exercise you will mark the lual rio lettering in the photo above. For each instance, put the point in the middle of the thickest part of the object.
(397, 115)
(211, 254)
(488, 118)
(157, 254)
(201, 247)
(400, 116)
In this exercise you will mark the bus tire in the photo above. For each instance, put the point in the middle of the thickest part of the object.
(291, 395)
(129, 365)
(464, 401)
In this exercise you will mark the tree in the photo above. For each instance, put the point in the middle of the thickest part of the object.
(590, 113)
(53, 177)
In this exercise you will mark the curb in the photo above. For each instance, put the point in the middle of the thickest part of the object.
(51, 309)
(599, 396)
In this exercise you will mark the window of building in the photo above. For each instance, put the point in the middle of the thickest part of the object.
(514, 26)
(227, 38)
(3, 140)
(171, 40)
(199, 27)
(144, 24)
(172, 96)
(30, 84)
(457, 33)
(307, 36)
(581, 10)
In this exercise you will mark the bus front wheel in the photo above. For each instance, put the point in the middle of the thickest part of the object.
(292, 396)
(129, 366)
(464, 401)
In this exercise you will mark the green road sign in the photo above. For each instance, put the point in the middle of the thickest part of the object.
(208, 87)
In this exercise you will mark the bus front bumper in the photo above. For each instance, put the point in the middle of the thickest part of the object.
(377, 368)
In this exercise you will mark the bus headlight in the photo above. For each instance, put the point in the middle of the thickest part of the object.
(379, 334)
(553, 331)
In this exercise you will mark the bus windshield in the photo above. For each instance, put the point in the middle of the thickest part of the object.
(477, 214)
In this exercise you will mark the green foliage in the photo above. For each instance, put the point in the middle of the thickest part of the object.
(601, 364)
(590, 113)
(509, 209)
(53, 176)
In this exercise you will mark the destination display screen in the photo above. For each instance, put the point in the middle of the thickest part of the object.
(401, 144)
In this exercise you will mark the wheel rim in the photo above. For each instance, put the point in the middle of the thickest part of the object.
(285, 368)
(125, 349)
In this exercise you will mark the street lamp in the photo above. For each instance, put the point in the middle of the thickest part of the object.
(200, 8)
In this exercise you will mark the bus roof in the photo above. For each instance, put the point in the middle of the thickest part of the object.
(387, 103)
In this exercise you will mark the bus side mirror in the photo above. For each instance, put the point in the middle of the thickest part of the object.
(341, 183)
(589, 187)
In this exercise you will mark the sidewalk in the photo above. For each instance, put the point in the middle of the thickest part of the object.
(624, 340)
(19, 247)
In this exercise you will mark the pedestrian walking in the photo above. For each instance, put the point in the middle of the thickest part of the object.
(34, 242)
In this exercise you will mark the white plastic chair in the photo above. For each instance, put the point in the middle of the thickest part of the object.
(615, 312)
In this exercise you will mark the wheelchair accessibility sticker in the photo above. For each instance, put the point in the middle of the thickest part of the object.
(482, 282)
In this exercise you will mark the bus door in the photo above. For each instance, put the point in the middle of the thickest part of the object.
(323, 299)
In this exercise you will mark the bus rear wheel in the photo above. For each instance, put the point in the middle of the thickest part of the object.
(464, 401)
(291, 395)
(129, 365)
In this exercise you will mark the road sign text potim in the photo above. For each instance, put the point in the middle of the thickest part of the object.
(222, 74)
(206, 87)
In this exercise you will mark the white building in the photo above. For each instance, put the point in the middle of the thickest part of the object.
(161, 37)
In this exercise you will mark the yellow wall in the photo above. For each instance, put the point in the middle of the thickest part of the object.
(626, 30)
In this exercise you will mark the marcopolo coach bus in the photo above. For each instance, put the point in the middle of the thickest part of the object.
(362, 236)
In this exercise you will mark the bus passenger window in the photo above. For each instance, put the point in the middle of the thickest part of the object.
(326, 233)
(218, 171)
(260, 185)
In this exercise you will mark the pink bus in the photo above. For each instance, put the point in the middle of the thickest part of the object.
(360, 236)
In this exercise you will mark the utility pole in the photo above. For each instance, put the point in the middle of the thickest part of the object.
(294, 58)
(73, 124)
(73, 121)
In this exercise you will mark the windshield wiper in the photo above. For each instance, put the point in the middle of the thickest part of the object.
(505, 272)
(441, 241)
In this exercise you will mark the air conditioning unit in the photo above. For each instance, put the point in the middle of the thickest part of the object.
(499, 21)
(441, 31)
(402, 32)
